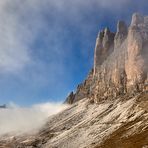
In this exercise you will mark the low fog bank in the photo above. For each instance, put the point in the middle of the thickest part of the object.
(18, 120)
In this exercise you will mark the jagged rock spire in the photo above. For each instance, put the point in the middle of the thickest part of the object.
(120, 62)
(137, 18)
(104, 46)
(121, 34)
(121, 27)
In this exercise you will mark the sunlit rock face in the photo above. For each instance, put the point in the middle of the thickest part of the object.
(125, 69)
(137, 48)
(120, 62)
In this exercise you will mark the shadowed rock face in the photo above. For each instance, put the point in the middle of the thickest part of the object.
(104, 46)
(70, 98)
(120, 62)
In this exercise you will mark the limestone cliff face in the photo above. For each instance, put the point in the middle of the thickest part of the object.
(137, 48)
(120, 62)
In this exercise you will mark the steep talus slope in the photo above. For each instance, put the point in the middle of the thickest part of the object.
(110, 108)
(120, 123)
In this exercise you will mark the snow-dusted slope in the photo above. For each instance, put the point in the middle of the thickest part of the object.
(122, 123)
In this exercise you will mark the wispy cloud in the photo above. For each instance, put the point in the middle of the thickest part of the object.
(13, 50)
(21, 22)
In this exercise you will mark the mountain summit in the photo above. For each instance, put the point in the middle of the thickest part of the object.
(120, 63)
(110, 108)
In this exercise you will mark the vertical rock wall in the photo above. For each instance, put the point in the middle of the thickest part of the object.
(120, 62)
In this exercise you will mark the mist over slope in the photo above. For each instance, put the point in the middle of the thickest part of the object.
(18, 120)
(111, 124)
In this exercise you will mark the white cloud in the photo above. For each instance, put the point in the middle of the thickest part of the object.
(19, 26)
(13, 51)
(22, 20)
(19, 120)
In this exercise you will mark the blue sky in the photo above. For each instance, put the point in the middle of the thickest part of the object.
(46, 46)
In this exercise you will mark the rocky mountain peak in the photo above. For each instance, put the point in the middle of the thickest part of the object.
(122, 27)
(137, 19)
(106, 31)
(104, 46)
(121, 34)
(120, 62)
(100, 35)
